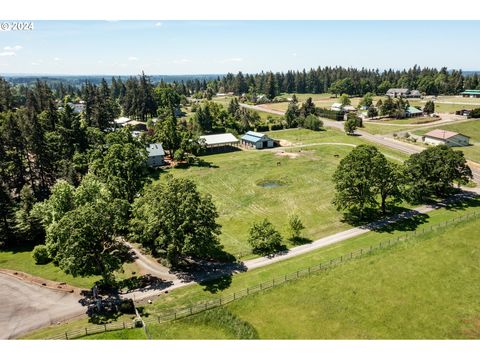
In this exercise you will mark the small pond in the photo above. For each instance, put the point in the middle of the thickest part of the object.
(270, 184)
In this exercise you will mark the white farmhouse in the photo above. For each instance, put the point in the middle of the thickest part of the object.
(156, 155)
(444, 137)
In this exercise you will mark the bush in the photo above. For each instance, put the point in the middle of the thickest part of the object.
(261, 128)
(264, 239)
(40, 255)
(313, 123)
(475, 113)
(277, 127)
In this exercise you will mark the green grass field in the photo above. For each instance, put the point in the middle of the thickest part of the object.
(425, 288)
(21, 260)
(469, 128)
(307, 188)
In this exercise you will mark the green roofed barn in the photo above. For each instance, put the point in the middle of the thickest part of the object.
(471, 93)
(257, 140)
(413, 111)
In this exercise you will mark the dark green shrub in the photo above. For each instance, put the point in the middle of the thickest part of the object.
(40, 255)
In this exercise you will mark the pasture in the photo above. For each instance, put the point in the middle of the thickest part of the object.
(422, 289)
(303, 174)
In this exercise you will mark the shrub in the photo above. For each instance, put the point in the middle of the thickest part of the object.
(313, 123)
(264, 239)
(261, 128)
(277, 127)
(475, 113)
(40, 255)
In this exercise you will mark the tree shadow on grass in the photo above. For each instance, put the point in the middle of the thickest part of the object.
(299, 240)
(213, 275)
(216, 285)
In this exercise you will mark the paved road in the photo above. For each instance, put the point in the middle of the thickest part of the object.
(25, 306)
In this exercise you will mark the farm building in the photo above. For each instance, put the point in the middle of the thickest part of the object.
(257, 140)
(471, 93)
(156, 155)
(340, 107)
(403, 93)
(121, 120)
(444, 137)
(413, 111)
(219, 142)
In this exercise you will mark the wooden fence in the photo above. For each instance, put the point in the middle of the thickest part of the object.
(183, 312)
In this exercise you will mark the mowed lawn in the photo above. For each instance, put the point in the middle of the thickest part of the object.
(426, 288)
(305, 186)
(469, 128)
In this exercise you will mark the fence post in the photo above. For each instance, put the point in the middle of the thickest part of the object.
(261, 287)
(247, 291)
(233, 296)
(66, 335)
(361, 251)
(105, 326)
(175, 315)
(273, 282)
(86, 331)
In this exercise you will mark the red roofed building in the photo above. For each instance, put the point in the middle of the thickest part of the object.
(445, 137)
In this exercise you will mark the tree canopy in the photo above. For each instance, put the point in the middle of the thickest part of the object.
(175, 221)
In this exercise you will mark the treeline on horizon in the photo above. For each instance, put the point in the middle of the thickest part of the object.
(336, 80)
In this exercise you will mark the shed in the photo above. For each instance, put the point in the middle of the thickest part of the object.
(471, 93)
(257, 140)
(219, 142)
(413, 111)
(445, 137)
(156, 155)
(121, 120)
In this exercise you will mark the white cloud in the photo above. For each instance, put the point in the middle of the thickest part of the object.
(56, 59)
(132, 58)
(182, 61)
(294, 54)
(10, 50)
(159, 24)
(13, 48)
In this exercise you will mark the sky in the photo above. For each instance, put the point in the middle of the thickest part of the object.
(218, 47)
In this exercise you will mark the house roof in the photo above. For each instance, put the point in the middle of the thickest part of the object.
(443, 134)
(471, 92)
(253, 136)
(397, 90)
(155, 150)
(121, 120)
(218, 139)
(414, 110)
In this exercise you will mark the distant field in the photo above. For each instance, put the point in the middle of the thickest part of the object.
(470, 128)
(423, 289)
(307, 188)
(443, 108)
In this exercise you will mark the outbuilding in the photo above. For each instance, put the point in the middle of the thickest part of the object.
(257, 140)
(220, 142)
(445, 137)
(156, 155)
(413, 111)
(471, 93)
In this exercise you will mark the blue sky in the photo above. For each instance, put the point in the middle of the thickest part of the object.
(206, 47)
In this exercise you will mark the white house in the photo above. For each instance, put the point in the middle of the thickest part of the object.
(444, 137)
(156, 155)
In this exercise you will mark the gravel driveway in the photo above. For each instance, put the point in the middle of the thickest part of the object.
(25, 306)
